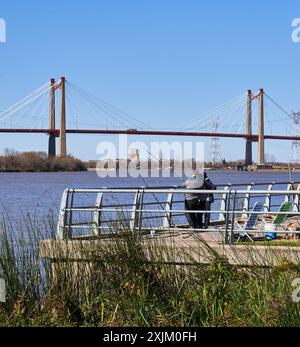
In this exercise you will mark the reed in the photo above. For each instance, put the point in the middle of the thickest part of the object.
(123, 283)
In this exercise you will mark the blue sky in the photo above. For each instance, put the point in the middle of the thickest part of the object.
(162, 61)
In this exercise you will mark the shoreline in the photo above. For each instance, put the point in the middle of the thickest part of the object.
(210, 170)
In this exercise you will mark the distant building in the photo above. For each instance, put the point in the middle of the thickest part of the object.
(134, 158)
(134, 155)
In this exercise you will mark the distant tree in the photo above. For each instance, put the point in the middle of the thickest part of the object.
(10, 160)
(13, 161)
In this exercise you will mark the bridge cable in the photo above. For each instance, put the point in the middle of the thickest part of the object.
(280, 107)
(106, 107)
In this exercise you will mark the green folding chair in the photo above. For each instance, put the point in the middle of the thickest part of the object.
(279, 219)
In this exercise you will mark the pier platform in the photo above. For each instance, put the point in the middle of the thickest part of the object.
(93, 221)
(183, 248)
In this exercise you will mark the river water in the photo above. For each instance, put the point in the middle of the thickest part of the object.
(39, 193)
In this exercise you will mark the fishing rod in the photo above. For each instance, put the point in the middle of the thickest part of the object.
(155, 197)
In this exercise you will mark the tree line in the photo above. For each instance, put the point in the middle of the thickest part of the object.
(14, 161)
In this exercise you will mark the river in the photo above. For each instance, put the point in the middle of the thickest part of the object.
(39, 193)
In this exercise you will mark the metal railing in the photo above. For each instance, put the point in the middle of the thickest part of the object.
(162, 208)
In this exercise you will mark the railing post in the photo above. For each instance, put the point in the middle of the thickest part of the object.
(296, 200)
(167, 221)
(97, 215)
(267, 207)
(246, 203)
(135, 214)
(231, 240)
(70, 215)
(287, 196)
(140, 213)
(228, 197)
(62, 218)
(222, 215)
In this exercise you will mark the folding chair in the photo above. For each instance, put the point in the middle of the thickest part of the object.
(250, 223)
(280, 218)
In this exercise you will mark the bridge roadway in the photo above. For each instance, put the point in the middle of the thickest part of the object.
(148, 132)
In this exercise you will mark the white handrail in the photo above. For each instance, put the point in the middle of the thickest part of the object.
(139, 213)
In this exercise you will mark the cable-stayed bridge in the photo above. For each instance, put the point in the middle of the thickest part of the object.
(80, 112)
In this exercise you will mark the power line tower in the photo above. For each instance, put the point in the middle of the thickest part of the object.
(215, 148)
(296, 143)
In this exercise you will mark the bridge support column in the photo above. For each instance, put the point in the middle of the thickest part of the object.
(52, 141)
(51, 146)
(62, 128)
(261, 139)
(248, 152)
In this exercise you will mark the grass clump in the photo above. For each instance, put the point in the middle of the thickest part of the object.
(125, 282)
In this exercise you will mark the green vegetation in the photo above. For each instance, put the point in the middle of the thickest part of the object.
(124, 288)
(13, 161)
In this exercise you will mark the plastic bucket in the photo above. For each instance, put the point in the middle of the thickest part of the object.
(271, 231)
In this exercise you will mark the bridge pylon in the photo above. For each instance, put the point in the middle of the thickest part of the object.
(248, 154)
(261, 133)
(62, 128)
(52, 140)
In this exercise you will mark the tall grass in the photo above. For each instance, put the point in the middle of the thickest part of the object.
(124, 281)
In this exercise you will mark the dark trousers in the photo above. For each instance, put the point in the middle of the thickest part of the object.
(207, 215)
(195, 220)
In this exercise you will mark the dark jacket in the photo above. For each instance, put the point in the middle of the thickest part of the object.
(199, 183)
(208, 185)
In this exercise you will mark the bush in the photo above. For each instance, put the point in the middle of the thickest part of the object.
(13, 161)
